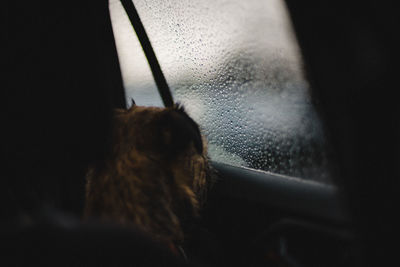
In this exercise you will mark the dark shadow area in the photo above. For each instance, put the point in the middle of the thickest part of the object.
(62, 82)
(351, 53)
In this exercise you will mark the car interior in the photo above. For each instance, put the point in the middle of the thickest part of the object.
(63, 80)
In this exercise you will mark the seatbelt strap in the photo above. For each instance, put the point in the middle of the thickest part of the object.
(155, 67)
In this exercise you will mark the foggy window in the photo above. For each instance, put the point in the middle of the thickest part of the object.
(236, 67)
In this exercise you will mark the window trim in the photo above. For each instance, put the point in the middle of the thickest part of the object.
(298, 196)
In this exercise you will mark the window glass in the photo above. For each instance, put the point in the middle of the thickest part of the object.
(236, 67)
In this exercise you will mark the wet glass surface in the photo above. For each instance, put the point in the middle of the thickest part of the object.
(236, 67)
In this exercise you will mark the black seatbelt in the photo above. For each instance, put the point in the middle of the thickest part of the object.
(155, 67)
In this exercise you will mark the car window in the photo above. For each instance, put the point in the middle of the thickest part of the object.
(236, 67)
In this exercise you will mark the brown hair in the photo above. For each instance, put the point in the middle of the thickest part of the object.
(157, 175)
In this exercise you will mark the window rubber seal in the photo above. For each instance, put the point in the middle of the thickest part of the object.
(148, 50)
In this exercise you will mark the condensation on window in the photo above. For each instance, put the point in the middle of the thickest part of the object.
(236, 67)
